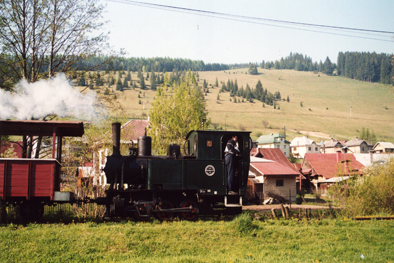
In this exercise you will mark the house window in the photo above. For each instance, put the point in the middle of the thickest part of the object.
(277, 146)
(362, 148)
(309, 148)
(279, 182)
(315, 149)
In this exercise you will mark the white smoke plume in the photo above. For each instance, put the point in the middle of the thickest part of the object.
(52, 96)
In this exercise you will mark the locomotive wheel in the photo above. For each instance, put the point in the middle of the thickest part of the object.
(140, 216)
(189, 215)
(164, 216)
(31, 212)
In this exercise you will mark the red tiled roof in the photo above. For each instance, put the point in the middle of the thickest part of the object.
(273, 168)
(134, 129)
(273, 154)
(329, 165)
(254, 152)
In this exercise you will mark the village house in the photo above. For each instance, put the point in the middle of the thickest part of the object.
(358, 146)
(271, 172)
(276, 141)
(323, 169)
(383, 147)
(133, 129)
(302, 145)
(331, 146)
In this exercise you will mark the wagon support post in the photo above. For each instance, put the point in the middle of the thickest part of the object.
(3, 212)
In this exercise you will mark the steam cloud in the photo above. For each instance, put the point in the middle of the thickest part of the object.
(52, 96)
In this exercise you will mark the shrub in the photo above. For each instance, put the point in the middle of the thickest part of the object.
(371, 194)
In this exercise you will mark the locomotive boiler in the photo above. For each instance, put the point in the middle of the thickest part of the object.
(185, 185)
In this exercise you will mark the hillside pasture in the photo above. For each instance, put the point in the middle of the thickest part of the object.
(335, 106)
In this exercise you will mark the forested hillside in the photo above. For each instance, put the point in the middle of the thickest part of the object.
(300, 62)
(151, 64)
(366, 66)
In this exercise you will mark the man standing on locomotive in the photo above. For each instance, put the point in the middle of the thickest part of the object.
(231, 152)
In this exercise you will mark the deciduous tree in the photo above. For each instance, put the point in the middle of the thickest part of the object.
(41, 37)
(175, 111)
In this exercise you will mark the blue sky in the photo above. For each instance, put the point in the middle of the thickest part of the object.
(149, 32)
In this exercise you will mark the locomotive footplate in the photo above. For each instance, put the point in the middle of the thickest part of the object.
(233, 201)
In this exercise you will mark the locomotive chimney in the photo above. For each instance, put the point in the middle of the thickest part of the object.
(116, 138)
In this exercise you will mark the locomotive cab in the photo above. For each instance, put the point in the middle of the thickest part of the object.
(208, 149)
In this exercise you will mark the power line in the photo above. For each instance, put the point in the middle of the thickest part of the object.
(267, 22)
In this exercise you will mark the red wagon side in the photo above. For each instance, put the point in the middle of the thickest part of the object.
(29, 182)
(28, 178)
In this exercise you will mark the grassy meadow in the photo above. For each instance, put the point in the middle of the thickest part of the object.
(333, 106)
(241, 239)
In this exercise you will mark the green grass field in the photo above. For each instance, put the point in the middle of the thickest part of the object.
(215, 240)
(336, 106)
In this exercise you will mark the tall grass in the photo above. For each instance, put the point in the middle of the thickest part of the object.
(214, 240)
(371, 194)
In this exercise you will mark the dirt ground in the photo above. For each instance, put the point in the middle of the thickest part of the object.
(314, 134)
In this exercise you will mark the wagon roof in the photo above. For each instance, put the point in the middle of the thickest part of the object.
(43, 128)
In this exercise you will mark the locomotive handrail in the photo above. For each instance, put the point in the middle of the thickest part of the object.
(184, 148)
(224, 173)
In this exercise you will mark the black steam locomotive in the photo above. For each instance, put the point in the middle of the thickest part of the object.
(142, 185)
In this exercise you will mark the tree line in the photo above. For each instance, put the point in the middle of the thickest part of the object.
(366, 66)
(300, 62)
(158, 64)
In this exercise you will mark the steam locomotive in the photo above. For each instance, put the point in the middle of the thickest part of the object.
(141, 185)
(195, 183)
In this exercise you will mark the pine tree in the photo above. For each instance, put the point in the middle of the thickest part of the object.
(125, 84)
(119, 85)
(258, 92)
(142, 82)
(81, 81)
(128, 76)
(205, 85)
(328, 67)
(153, 81)
(252, 69)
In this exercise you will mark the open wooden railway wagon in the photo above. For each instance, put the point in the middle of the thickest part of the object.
(32, 183)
